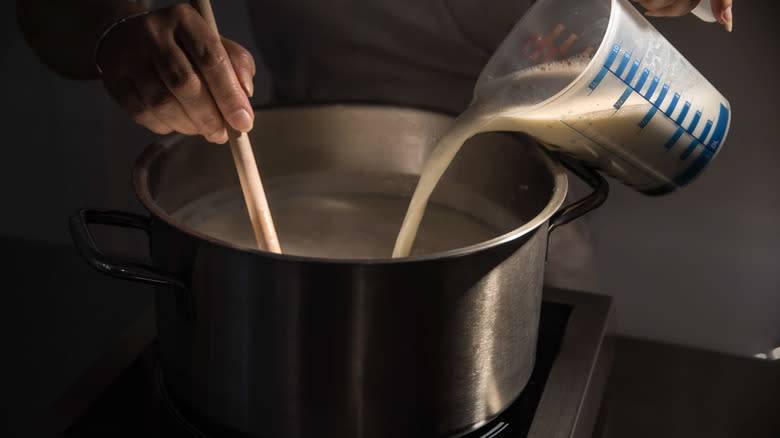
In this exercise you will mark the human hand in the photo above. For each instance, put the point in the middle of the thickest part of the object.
(721, 9)
(171, 72)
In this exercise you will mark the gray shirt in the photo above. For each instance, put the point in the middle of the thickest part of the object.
(417, 52)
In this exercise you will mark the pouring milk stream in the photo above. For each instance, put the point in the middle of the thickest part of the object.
(593, 79)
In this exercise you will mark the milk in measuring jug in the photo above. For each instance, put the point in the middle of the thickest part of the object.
(591, 124)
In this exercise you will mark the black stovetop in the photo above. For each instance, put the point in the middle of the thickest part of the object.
(133, 404)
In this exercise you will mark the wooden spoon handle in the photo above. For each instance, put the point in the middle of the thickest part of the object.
(254, 194)
(246, 166)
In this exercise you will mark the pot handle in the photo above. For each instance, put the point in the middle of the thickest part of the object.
(79, 230)
(578, 208)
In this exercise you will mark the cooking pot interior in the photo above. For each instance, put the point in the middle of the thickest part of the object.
(339, 178)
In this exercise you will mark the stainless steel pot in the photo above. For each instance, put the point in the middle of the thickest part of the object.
(268, 345)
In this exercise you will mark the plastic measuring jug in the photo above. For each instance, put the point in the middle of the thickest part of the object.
(595, 80)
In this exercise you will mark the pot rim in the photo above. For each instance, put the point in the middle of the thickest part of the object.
(151, 152)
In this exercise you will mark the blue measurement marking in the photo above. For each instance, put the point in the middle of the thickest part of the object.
(597, 80)
(698, 165)
(687, 152)
(623, 64)
(612, 55)
(603, 72)
(696, 141)
(706, 131)
(629, 89)
(694, 122)
(683, 113)
(623, 98)
(632, 72)
(675, 137)
(662, 96)
(673, 105)
(642, 79)
(648, 117)
(706, 155)
(720, 129)
(653, 86)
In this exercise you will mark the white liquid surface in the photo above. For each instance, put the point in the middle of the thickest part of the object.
(337, 226)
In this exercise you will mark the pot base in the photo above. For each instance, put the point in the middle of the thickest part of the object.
(513, 422)
(124, 399)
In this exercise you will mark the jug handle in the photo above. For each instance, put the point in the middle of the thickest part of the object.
(82, 237)
(579, 208)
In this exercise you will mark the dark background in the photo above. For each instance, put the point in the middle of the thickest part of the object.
(699, 268)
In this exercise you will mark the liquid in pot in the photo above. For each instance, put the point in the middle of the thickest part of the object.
(343, 226)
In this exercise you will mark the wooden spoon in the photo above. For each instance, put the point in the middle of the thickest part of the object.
(248, 175)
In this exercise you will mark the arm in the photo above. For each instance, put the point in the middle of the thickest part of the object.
(167, 68)
(63, 34)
